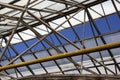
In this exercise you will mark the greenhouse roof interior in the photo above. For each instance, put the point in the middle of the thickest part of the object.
(34, 29)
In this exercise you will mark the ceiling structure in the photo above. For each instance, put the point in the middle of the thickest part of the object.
(33, 29)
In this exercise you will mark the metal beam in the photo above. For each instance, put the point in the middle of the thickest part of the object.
(64, 55)
(14, 30)
(11, 6)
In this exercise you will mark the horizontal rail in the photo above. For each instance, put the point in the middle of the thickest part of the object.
(64, 55)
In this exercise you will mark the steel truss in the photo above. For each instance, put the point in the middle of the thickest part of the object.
(72, 8)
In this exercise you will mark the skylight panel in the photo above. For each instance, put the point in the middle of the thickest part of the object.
(21, 2)
(6, 1)
(27, 34)
(108, 7)
(44, 4)
(57, 6)
(15, 39)
(5, 10)
(42, 32)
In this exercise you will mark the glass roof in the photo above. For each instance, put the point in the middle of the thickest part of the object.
(32, 29)
(49, 10)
